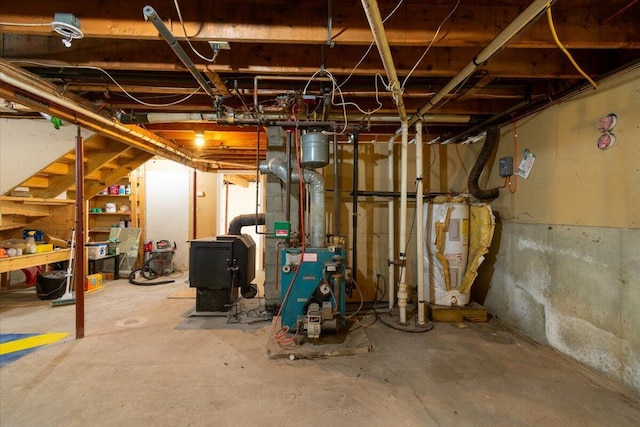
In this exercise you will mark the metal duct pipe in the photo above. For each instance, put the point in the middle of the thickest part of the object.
(244, 220)
(490, 143)
(317, 192)
(526, 17)
(150, 14)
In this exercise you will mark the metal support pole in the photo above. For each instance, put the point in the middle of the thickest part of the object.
(79, 271)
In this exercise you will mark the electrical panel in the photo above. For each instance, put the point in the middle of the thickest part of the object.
(505, 166)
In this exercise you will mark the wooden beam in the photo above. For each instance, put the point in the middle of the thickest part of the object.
(304, 22)
(217, 82)
(237, 179)
(304, 60)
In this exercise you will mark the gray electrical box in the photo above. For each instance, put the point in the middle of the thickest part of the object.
(505, 166)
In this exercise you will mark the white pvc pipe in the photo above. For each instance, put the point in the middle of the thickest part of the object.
(403, 294)
(419, 227)
(391, 208)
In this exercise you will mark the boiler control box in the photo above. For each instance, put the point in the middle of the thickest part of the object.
(505, 166)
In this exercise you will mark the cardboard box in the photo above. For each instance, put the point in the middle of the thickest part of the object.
(93, 282)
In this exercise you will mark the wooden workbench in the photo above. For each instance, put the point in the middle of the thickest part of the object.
(31, 260)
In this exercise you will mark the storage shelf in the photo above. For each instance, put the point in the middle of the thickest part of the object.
(110, 213)
(11, 226)
(112, 195)
(37, 200)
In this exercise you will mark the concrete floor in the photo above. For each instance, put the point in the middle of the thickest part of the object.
(142, 363)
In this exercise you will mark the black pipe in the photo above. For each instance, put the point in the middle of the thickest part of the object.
(395, 194)
(243, 220)
(287, 207)
(354, 218)
(490, 143)
(336, 185)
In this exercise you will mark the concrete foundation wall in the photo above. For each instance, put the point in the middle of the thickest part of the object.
(574, 288)
(564, 267)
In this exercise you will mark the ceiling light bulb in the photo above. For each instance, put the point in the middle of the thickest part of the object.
(199, 139)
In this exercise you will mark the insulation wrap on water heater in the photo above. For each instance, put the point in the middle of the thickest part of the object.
(446, 251)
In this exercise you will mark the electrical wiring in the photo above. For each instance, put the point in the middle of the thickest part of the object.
(413, 223)
(430, 44)
(515, 157)
(371, 44)
(184, 29)
(466, 173)
(361, 299)
(343, 104)
(280, 335)
(105, 72)
(564, 50)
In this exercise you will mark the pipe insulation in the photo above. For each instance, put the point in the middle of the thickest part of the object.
(316, 184)
(490, 143)
(151, 15)
(240, 221)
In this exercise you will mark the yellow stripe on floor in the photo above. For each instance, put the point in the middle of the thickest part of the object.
(31, 342)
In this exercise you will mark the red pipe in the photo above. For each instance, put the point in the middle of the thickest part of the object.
(79, 272)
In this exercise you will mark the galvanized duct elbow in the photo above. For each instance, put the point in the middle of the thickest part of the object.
(491, 141)
(244, 220)
(316, 191)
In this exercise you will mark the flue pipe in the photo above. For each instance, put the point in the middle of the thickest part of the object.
(505, 37)
(151, 15)
(419, 225)
(316, 191)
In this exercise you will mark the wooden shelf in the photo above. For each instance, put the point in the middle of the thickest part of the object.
(4, 227)
(37, 200)
(110, 213)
